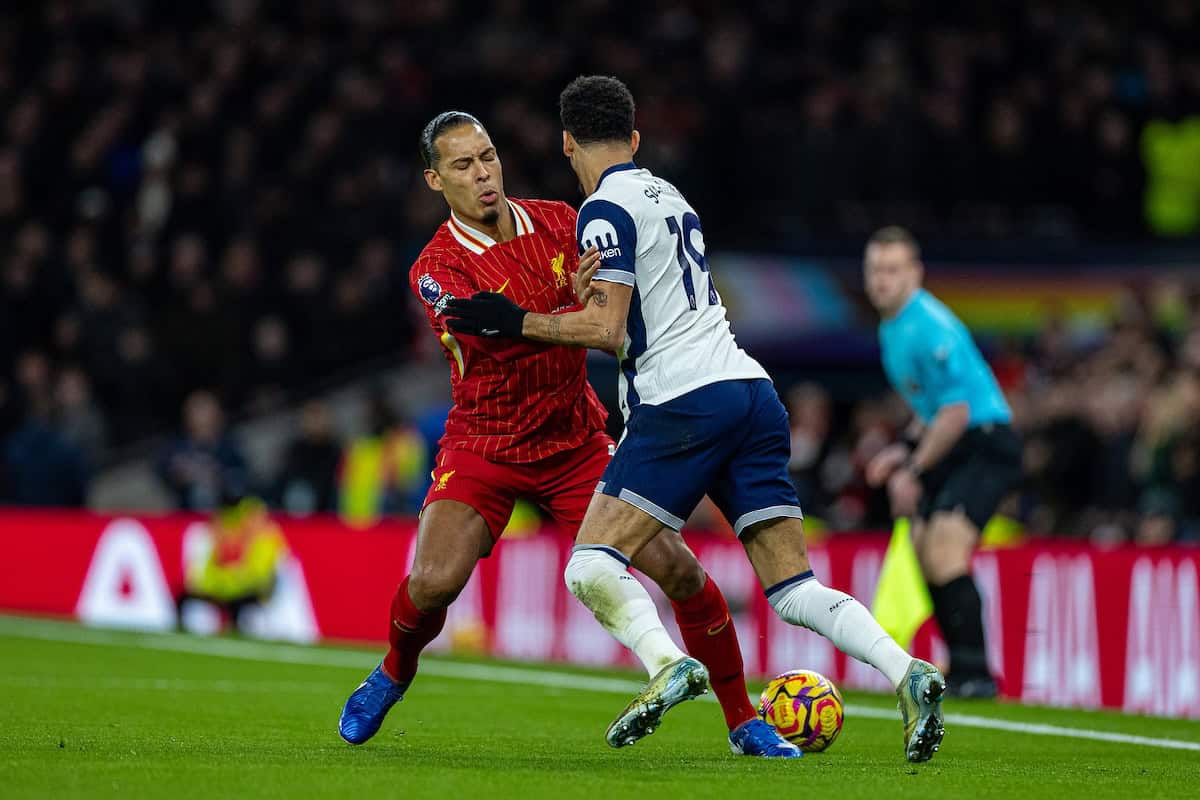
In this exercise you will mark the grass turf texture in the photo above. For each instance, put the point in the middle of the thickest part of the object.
(116, 719)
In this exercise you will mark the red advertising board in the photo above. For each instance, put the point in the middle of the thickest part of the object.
(1067, 625)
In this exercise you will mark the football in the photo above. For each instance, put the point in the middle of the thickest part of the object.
(805, 707)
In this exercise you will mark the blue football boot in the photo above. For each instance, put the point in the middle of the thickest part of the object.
(366, 708)
(756, 738)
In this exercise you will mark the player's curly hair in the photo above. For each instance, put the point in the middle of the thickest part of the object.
(437, 126)
(597, 108)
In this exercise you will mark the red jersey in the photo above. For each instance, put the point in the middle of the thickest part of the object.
(515, 400)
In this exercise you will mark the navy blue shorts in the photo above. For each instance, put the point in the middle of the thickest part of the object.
(729, 440)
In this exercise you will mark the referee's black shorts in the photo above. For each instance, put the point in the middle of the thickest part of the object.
(975, 476)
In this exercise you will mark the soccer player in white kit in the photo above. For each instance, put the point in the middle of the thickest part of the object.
(701, 417)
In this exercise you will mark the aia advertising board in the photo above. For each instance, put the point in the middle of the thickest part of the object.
(1067, 625)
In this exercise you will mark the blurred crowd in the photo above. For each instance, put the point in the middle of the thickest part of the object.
(382, 471)
(219, 200)
(1110, 421)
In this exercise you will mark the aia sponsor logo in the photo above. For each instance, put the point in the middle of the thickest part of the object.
(1062, 647)
(1162, 655)
(125, 586)
(987, 578)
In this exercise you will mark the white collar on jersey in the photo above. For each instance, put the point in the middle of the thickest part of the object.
(477, 241)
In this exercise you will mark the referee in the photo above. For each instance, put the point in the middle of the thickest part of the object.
(960, 457)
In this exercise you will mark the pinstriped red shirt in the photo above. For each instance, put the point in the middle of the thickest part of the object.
(515, 400)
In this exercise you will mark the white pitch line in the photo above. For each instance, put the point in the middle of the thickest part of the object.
(991, 723)
(219, 685)
(971, 720)
(302, 654)
(165, 684)
(313, 656)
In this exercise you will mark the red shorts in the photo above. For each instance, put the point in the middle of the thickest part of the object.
(562, 484)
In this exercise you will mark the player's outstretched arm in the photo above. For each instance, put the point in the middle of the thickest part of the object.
(601, 324)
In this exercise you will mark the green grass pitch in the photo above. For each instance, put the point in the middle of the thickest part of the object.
(96, 714)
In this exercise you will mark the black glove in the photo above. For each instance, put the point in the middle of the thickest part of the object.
(486, 314)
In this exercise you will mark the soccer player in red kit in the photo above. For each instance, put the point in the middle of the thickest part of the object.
(525, 424)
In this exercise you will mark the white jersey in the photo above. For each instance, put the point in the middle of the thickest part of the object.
(677, 336)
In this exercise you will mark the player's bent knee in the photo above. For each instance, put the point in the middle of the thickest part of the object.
(776, 549)
(682, 578)
(669, 563)
(617, 524)
(435, 586)
(577, 573)
(588, 565)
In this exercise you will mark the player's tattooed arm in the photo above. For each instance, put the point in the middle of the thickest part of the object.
(601, 325)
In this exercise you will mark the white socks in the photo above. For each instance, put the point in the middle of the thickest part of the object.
(837, 616)
(599, 577)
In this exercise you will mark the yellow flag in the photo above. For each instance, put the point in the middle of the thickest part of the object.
(902, 602)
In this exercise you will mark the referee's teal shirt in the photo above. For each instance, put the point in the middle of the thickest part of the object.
(932, 361)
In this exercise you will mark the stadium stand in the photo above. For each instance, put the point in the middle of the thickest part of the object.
(224, 198)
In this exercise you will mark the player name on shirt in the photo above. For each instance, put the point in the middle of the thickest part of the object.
(677, 335)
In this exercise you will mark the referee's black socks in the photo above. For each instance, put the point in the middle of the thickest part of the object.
(959, 613)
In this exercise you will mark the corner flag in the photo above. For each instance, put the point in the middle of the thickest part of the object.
(902, 602)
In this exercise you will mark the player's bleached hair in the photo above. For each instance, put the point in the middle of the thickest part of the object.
(895, 234)
(443, 122)
(597, 108)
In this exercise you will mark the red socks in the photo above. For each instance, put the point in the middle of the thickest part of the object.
(703, 620)
(409, 631)
(710, 637)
